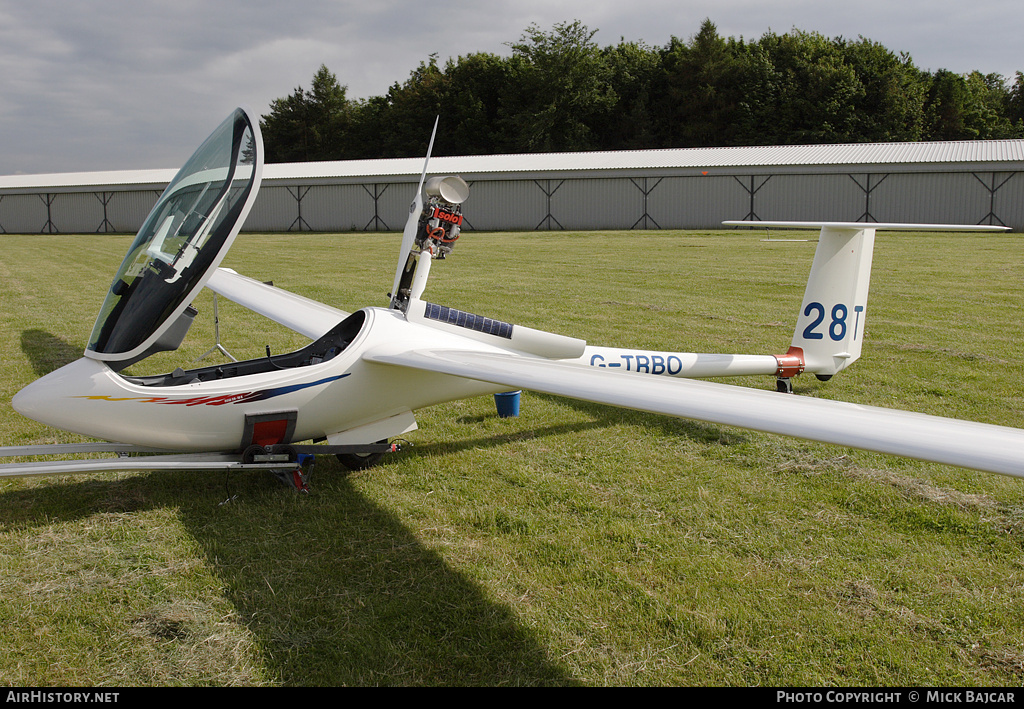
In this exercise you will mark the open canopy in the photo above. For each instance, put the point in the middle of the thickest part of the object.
(182, 241)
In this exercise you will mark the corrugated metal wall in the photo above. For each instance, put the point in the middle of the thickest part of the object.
(698, 202)
(652, 201)
(512, 205)
(75, 212)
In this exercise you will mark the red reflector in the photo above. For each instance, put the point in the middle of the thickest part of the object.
(269, 433)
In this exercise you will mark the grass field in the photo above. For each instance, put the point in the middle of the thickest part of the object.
(574, 545)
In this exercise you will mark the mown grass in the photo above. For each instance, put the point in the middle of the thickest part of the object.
(576, 544)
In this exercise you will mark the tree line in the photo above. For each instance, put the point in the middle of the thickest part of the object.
(559, 90)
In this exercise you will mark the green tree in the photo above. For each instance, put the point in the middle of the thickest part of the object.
(891, 107)
(308, 125)
(1015, 102)
(559, 91)
(951, 112)
(560, 87)
(701, 90)
(817, 89)
(631, 122)
(992, 101)
(364, 138)
(412, 108)
(472, 113)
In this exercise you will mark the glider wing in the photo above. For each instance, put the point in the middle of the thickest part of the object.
(303, 315)
(941, 440)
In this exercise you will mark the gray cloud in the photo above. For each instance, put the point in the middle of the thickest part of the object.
(116, 84)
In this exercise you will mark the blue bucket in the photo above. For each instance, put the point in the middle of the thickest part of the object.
(507, 403)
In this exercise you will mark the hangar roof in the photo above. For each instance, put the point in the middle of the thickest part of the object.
(980, 154)
(675, 158)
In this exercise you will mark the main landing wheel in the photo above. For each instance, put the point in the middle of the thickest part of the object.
(360, 461)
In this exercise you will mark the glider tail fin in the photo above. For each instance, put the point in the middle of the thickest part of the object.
(830, 326)
(829, 332)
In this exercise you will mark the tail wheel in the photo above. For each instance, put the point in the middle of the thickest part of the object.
(360, 461)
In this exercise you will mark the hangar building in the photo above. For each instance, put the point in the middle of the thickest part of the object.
(968, 182)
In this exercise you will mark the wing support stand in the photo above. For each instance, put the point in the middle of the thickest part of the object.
(217, 346)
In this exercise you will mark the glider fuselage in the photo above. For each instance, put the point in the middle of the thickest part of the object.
(206, 409)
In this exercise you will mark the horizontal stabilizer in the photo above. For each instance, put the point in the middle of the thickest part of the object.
(829, 334)
(878, 226)
(303, 315)
(995, 449)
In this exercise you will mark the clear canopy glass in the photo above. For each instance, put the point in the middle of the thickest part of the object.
(182, 240)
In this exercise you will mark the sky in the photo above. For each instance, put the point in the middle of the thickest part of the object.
(90, 85)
